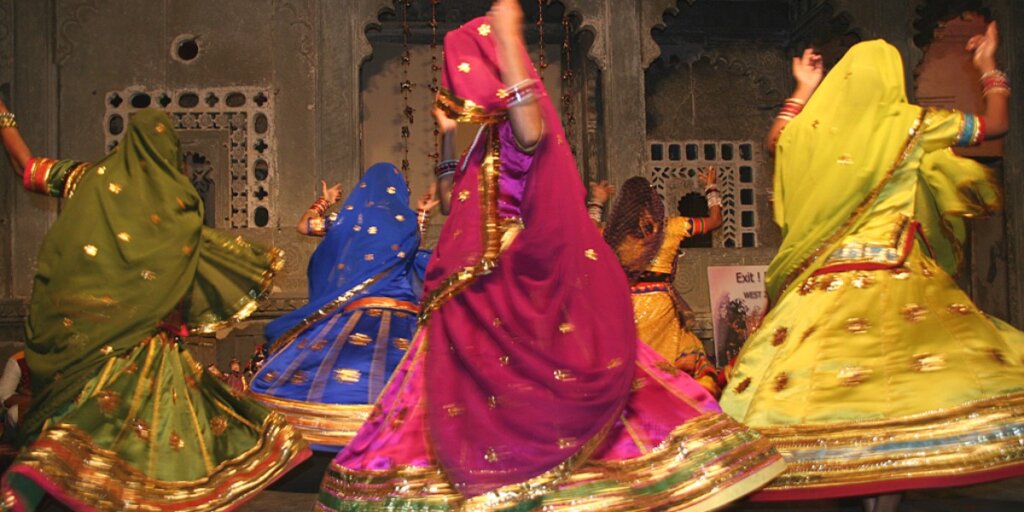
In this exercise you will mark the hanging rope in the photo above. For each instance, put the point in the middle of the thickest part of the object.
(435, 71)
(406, 87)
(541, 55)
(568, 76)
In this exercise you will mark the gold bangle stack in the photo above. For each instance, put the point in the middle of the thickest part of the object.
(7, 120)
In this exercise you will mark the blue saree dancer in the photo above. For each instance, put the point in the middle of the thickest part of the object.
(331, 358)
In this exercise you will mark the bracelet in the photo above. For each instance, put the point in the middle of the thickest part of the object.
(422, 221)
(7, 120)
(993, 81)
(445, 168)
(520, 93)
(714, 199)
(791, 108)
(594, 211)
(710, 188)
(319, 207)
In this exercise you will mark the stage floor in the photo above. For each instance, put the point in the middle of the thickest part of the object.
(298, 492)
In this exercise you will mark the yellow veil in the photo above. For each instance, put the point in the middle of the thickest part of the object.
(835, 158)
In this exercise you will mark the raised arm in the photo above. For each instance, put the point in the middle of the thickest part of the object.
(445, 170)
(600, 193)
(17, 151)
(507, 21)
(995, 84)
(313, 222)
(709, 177)
(808, 70)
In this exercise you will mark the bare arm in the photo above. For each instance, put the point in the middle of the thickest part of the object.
(17, 151)
(507, 20)
(315, 214)
(714, 219)
(808, 70)
(996, 116)
(447, 127)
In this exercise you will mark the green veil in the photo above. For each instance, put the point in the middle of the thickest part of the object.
(834, 160)
(128, 253)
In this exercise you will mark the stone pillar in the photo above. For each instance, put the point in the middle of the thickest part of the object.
(343, 48)
(618, 49)
(32, 76)
(1010, 14)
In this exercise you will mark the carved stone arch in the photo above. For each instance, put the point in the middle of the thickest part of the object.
(830, 27)
(654, 16)
(595, 17)
(931, 14)
(73, 22)
(369, 18)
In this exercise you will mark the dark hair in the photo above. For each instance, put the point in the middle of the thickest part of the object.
(636, 198)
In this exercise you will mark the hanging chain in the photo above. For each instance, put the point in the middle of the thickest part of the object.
(435, 70)
(568, 78)
(541, 56)
(406, 88)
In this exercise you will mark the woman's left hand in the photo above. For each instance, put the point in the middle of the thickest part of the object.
(429, 200)
(601, 191)
(984, 48)
(708, 176)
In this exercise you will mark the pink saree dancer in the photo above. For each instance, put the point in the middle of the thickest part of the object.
(526, 386)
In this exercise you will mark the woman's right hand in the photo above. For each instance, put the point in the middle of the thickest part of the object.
(808, 69)
(331, 194)
(708, 176)
(444, 123)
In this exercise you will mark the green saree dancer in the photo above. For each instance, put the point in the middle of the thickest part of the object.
(123, 417)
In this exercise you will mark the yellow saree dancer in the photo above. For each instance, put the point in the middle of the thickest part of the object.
(657, 314)
(873, 372)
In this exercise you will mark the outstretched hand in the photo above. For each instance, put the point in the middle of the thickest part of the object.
(984, 47)
(429, 200)
(601, 191)
(506, 17)
(809, 69)
(331, 194)
(708, 176)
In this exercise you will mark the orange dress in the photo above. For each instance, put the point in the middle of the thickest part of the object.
(658, 310)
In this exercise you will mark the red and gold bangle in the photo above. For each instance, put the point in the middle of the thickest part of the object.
(320, 207)
(36, 174)
(994, 81)
(519, 93)
(791, 108)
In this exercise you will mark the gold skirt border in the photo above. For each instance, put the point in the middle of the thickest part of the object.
(324, 424)
(982, 437)
(703, 464)
(65, 463)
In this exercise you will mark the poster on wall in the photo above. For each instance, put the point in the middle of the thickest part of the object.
(738, 303)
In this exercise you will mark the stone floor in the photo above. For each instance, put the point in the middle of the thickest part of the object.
(297, 491)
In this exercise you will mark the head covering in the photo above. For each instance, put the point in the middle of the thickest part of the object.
(368, 251)
(531, 348)
(125, 253)
(636, 227)
(833, 160)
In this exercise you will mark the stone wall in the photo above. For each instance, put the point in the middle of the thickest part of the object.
(331, 107)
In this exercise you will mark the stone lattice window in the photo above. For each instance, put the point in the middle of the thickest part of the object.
(672, 167)
(244, 115)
